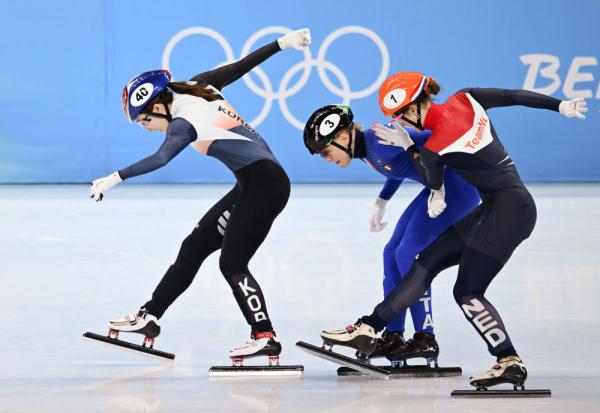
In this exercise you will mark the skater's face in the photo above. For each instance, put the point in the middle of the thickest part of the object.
(333, 154)
(153, 123)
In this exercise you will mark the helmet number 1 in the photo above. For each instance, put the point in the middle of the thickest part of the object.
(394, 98)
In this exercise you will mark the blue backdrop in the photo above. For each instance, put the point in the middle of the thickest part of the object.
(64, 64)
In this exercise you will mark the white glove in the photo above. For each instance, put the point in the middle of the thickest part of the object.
(573, 108)
(436, 203)
(298, 40)
(101, 185)
(394, 136)
(378, 213)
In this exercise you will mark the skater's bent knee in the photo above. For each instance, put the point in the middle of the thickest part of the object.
(229, 267)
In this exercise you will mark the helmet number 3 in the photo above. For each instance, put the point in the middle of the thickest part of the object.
(141, 94)
(329, 124)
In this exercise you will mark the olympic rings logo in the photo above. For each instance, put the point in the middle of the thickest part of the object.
(286, 91)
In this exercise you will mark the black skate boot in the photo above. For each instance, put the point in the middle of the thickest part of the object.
(421, 345)
(359, 336)
(389, 342)
(261, 344)
(508, 370)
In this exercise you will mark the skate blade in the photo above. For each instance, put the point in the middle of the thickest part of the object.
(408, 371)
(344, 360)
(256, 371)
(129, 347)
(501, 393)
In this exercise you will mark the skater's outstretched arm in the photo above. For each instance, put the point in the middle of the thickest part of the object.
(493, 98)
(225, 75)
(180, 134)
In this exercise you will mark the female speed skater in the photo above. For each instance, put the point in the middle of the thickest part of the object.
(196, 113)
(462, 140)
(332, 133)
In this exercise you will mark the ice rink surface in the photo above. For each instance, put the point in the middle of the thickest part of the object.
(69, 264)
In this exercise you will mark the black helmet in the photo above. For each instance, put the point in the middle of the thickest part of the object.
(324, 124)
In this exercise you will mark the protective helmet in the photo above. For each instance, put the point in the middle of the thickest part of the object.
(324, 124)
(141, 89)
(400, 89)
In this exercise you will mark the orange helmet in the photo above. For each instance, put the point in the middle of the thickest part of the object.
(400, 89)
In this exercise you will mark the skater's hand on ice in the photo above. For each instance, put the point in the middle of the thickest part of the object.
(298, 40)
(394, 136)
(101, 185)
(436, 203)
(376, 223)
(573, 108)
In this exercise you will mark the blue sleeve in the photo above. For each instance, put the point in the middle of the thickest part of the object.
(419, 137)
(390, 187)
(179, 135)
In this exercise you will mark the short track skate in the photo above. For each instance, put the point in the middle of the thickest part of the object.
(401, 369)
(262, 344)
(509, 370)
(146, 349)
(359, 364)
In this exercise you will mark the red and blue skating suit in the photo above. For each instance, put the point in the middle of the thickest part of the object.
(414, 230)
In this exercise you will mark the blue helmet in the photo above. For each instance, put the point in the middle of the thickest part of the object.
(141, 89)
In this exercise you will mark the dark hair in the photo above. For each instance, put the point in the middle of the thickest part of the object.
(186, 88)
(433, 88)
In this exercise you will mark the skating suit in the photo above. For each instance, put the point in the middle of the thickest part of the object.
(463, 140)
(414, 230)
(241, 220)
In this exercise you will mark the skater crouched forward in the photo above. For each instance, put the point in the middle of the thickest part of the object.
(196, 114)
(464, 140)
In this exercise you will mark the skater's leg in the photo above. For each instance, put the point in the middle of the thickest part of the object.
(461, 198)
(475, 273)
(509, 218)
(443, 253)
(265, 191)
(205, 239)
(392, 275)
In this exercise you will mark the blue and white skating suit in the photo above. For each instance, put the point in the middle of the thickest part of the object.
(414, 230)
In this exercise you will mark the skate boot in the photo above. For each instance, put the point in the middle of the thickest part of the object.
(508, 370)
(263, 343)
(141, 323)
(359, 336)
(389, 342)
(421, 345)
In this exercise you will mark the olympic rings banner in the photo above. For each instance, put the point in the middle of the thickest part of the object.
(65, 64)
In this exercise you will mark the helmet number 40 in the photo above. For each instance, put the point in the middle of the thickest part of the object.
(141, 94)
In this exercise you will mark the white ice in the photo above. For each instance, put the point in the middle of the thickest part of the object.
(68, 265)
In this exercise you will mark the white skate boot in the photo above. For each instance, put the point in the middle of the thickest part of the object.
(142, 323)
(261, 344)
(508, 370)
(359, 336)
